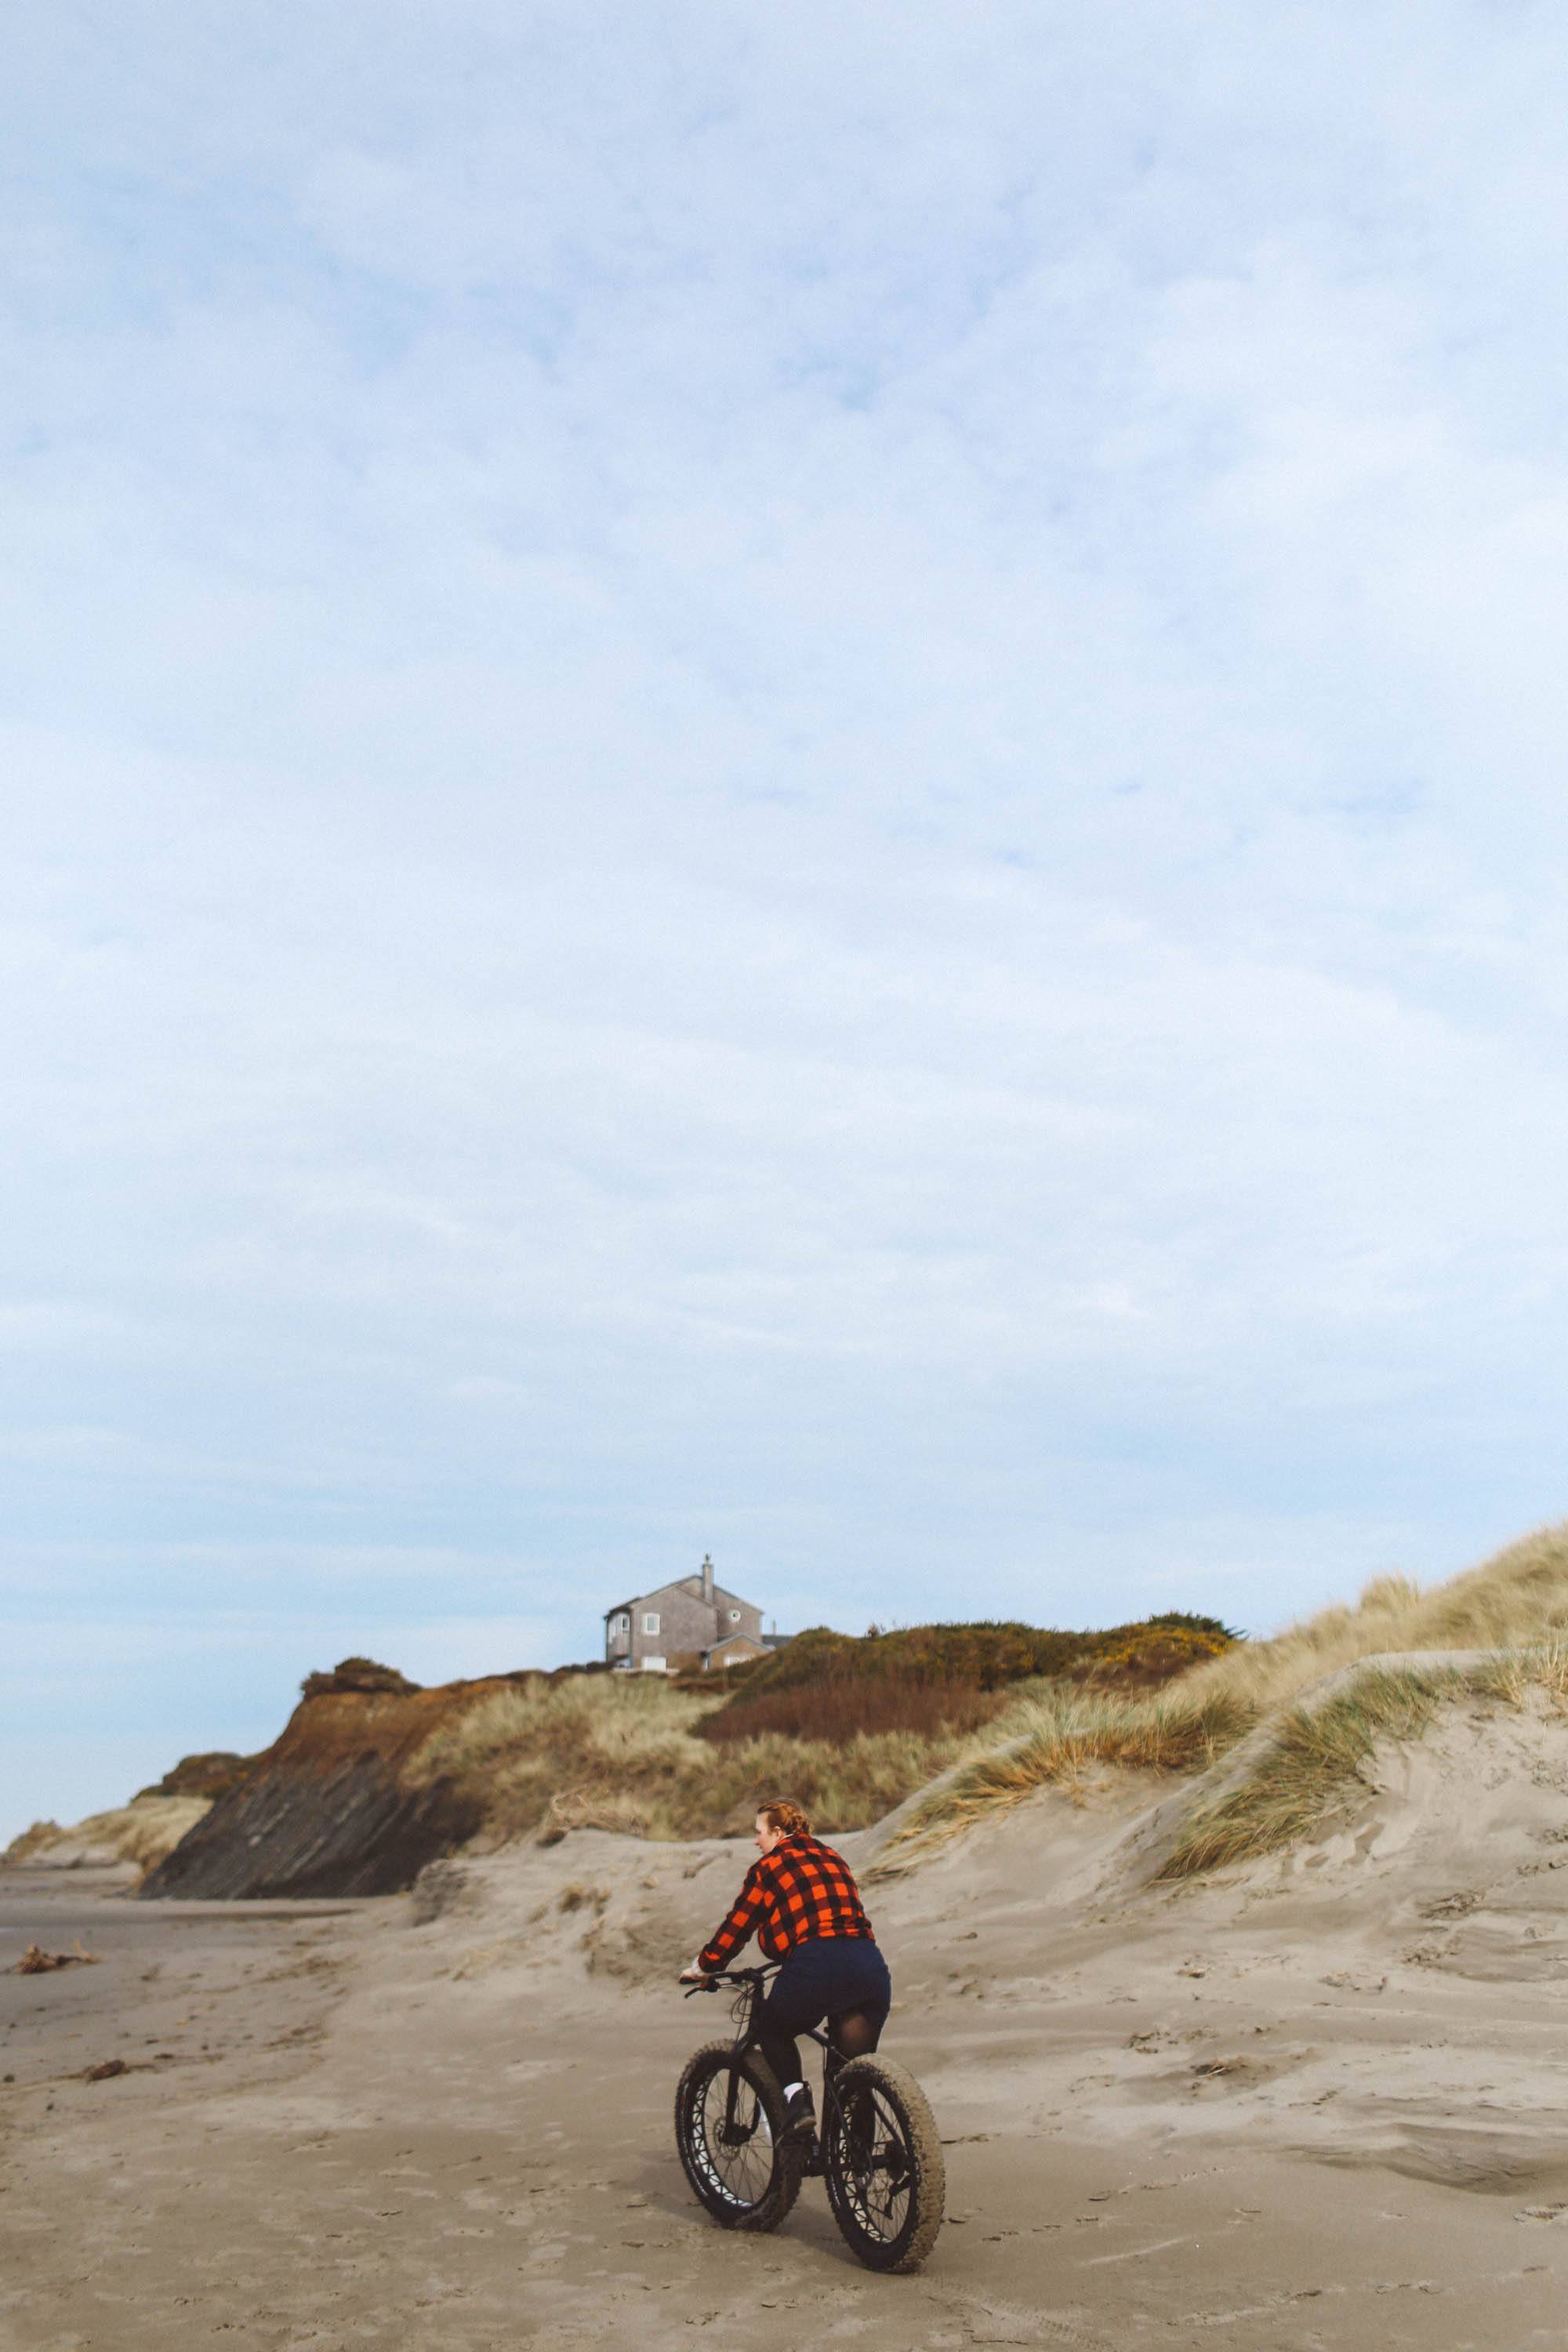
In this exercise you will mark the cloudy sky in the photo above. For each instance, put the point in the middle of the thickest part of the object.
(780, 780)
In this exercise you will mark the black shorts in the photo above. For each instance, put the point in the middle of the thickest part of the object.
(823, 1978)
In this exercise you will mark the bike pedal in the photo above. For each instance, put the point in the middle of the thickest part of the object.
(813, 2168)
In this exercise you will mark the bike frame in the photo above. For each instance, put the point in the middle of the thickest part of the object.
(752, 1983)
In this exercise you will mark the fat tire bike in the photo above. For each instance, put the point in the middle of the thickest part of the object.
(876, 2148)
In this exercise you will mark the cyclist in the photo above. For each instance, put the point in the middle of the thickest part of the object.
(801, 1901)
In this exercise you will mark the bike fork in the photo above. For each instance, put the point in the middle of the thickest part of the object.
(731, 2096)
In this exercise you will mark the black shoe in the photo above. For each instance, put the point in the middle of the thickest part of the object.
(800, 2114)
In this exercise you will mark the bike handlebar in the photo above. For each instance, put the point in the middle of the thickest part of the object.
(733, 1975)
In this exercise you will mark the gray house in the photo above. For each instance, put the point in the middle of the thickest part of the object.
(693, 1621)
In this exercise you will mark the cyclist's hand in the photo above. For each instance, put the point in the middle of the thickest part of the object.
(694, 1976)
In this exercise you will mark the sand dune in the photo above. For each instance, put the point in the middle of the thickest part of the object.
(1317, 2102)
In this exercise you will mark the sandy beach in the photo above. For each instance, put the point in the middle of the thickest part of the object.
(1320, 2103)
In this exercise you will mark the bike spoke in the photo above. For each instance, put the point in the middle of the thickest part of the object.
(738, 2159)
(878, 2174)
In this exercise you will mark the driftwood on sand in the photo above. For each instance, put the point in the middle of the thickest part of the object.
(36, 1963)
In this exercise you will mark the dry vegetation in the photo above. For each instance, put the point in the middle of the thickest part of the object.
(1516, 1600)
(211, 1775)
(1313, 1759)
(1515, 1605)
(984, 1655)
(848, 1726)
(1315, 1756)
(1060, 1737)
(142, 1832)
(621, 1752)
(938, 1712)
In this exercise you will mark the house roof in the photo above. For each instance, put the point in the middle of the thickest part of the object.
(693, 1588)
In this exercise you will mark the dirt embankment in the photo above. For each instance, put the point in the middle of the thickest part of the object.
(331, 1808)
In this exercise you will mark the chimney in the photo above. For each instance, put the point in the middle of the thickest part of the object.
(706, 1582)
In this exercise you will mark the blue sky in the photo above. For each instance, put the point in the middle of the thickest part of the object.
(781, 782)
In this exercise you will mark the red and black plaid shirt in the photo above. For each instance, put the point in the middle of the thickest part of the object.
(800, 1890)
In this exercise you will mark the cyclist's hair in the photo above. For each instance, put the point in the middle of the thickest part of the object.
(783, 1813)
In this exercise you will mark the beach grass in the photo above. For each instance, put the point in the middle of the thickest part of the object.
(1514, 1606)
(621, 1752)
(143, 1832)
(1059, 1738)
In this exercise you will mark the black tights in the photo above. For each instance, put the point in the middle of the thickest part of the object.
(852, 2034)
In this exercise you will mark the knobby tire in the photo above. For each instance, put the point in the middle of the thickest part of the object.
(887, 2182)
(752, 2184)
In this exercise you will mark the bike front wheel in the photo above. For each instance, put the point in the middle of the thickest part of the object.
(887, 2182)
(729, 2128)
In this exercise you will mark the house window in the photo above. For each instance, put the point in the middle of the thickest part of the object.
(734, 1616)
(623, 1624)
(651, 1620)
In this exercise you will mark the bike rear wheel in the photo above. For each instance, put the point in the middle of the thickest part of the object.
(887, 2182)
(731, 2151)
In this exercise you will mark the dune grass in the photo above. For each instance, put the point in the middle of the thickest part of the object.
(1314, 1761)
(1512, 1673)
(1059, 1738)
(1516, 1598)
(1311, 1761)
(1515, 1604)
(143, 1832)
(620, 1752)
